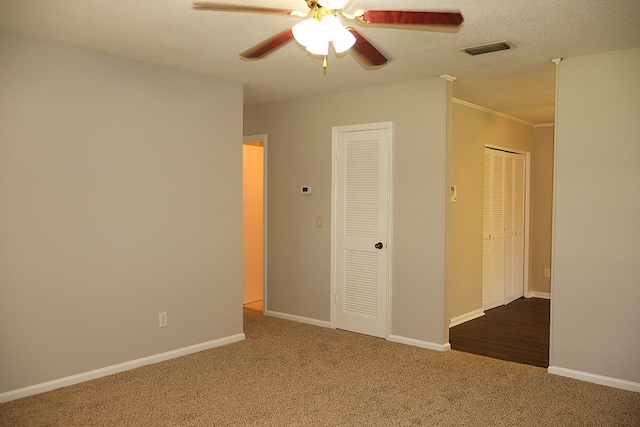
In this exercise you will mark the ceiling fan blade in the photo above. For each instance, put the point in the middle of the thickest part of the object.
(269, 45)
(403, 17)
(367, 51)
(224, 7)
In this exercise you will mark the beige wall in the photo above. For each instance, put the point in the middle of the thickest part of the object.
(596, 273)
(542, 208)
(120, 197)
(472, 129)
(252, 222)
(299, 153)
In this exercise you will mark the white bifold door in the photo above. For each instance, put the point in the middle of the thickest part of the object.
(503, 227)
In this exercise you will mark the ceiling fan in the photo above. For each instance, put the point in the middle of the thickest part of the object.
(323, 25)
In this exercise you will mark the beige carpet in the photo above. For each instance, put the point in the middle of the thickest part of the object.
(292, 374)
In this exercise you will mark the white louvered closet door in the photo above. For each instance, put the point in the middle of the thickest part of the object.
(503, 227)
(493, 231)
(514, 227)
(362, 198)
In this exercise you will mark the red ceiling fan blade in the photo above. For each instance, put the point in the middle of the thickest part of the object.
(269, 45)
(403, 17)
(366, 50)
(224, 7)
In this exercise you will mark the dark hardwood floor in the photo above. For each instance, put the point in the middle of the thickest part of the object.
(518, 332)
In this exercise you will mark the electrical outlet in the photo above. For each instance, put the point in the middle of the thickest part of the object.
(164, 321)
(547, 272)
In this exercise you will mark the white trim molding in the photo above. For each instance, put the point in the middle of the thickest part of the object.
(458, 320)
(536, 294)
(486, 110)
(594, 378)
(114, 369)
(299, 319)
(419, 343)
(392, 338)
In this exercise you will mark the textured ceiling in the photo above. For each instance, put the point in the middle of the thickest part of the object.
(518, 82)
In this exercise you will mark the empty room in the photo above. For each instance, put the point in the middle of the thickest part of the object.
(384, 143)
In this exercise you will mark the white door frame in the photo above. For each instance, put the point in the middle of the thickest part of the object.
(263, 138)
(389, 244)
(527, 185)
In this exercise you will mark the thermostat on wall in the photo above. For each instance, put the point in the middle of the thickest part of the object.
(305, 189)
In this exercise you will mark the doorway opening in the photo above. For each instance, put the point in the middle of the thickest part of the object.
(519, 330)
(253, 222)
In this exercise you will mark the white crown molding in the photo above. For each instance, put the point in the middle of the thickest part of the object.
(495, 113)
(544, 125)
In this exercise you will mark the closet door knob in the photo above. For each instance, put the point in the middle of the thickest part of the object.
(378, 245)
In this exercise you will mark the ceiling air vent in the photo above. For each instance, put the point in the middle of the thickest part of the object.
(487, 48)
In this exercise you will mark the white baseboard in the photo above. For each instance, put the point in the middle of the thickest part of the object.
(419, 343)
(114, 369)
(392, 338)
(466, 317)
(300, 319)
(534, 294)
(594, 378)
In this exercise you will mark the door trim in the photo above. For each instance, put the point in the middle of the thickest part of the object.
(263, 138)
(335, 130)
(527, 204)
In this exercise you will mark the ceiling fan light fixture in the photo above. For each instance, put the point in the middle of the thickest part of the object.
(319, 47)
(315, 35)
(344, 42)
(311, 34)
(335, 32)
(306, 32)
(330, 26)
